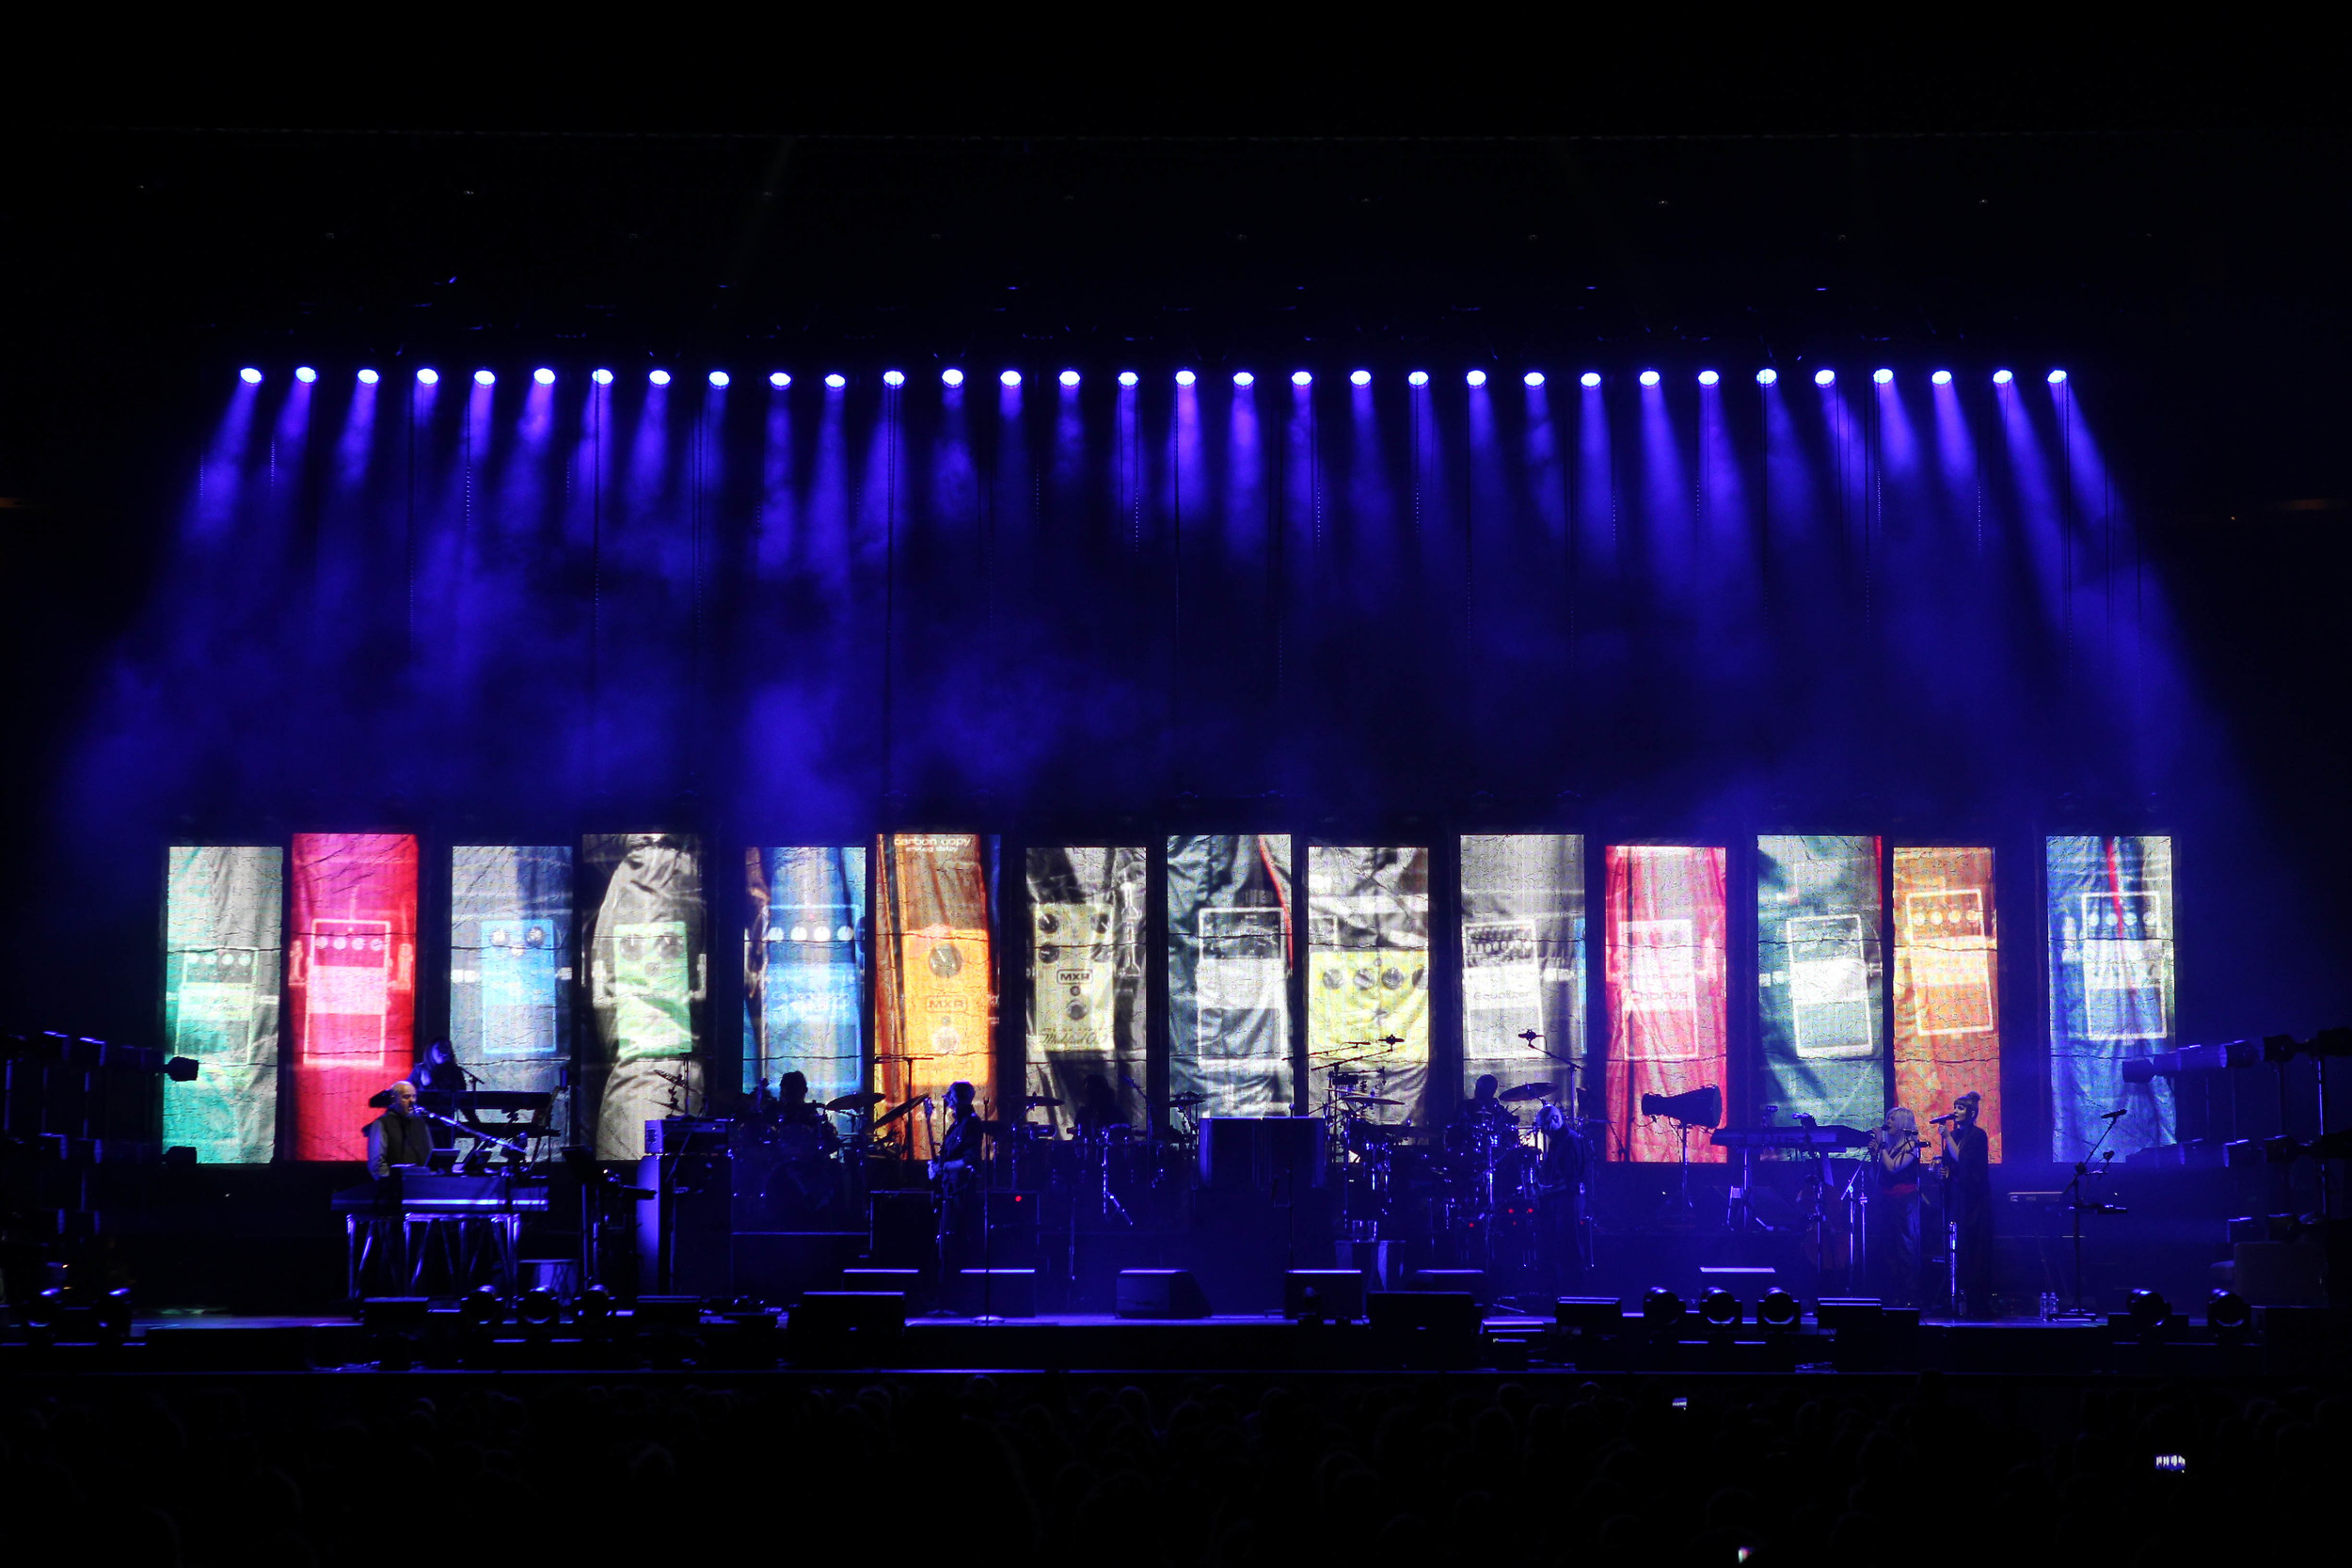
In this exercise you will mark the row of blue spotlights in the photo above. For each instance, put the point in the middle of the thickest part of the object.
(779, 379)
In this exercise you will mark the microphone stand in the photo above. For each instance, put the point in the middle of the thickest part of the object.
(2075, 1202)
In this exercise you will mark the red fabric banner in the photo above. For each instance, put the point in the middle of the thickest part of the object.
(1667, 1008)
(351, 983)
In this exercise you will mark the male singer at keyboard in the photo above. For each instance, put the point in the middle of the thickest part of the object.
(399, 1136)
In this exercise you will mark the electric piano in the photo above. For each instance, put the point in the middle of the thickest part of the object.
(1813, 1140)
(403, 1207)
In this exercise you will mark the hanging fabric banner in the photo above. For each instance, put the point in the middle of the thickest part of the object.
(1229, 957)
(509, 968)
(804, 957)
(351, 983)
(1523, 960)
(935, 988)
(1947, 1003)
(223, 953)
(1820, 970)
(2111, 925)
(1667, 1006)
(1368, 974)
(1086, 980)
(648, 981)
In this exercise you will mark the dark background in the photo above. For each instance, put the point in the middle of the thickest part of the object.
(2171, 224)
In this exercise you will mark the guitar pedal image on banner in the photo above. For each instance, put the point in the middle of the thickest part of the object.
(1073, 977)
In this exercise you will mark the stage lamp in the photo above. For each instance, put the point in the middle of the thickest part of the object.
(368, 378)
(1301, 378)
(1942, 378)
(836, 380)
(544, 376)
(44, 1309)
(2056, 377)
(250, 376)
(659, 378)
(1128, 378)
(481, 1312)
(1419, 378)
(429, 377)
(1825, 378)
(484, 378)
(1011, 378)
(951, 377)
(1661, 1308)
(2227, 1313)
(538, 1308)
(2002, 378)
(1476, 378)
(1590, 378)
(183, 1069)
(1534, 378)
(779, 380)
(1708, 378)
(1069, 378)
(113, 1316)
(1779, 1312)
(602, 378)
(1243, 379)
(2150, 1311)
(594, 1309)
(1360, 378)
(305, 375)
(1882, 376)
(1649, 378)
(1185, 378)
(1766, 376)
(893, 378)
(719, 378)
(1720, 1307)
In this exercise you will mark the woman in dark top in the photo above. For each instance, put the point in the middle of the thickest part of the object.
(1969, 1181)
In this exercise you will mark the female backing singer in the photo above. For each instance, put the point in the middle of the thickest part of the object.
(1895, 1153)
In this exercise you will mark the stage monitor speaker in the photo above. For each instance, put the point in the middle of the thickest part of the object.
(847, 1327)
(1324, 1294)
(995, 1293)
(668, 1312)
(1591, 1314)
(1160, 1293)
(1857, 1312)
(902, 1230)
(1473, 1281)
(1449, 1316)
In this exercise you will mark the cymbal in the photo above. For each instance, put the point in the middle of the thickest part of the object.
(1527, 1091)
(855, 1101)
(1185, 1101)
(1368, 1099)
(898, 1110)
(1036, 1100)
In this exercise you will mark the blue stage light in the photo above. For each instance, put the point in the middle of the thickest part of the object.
(719, 378)
(1011, 378)
(429, 376)
(1243, 379)
(1649, 378)
(1825, 378)
(951, 377)
(1882, 376)
(1361, 378)
(484, 378)
(1302, 378)
(1590, 378)
(779, 380)
(368, 378)
(1766, 376)
(1128, 378)
(1534, 378)
(1185, 378)
(1708, 378)
(1476, 378)
(836, 380)
(305, 375)
(250, 376)
(544, 376)
(1419, 378)
(2002, 378)
(893, 378)
(602, 378)
(1069, 378)
(2056, 377)
(1942, 378)
(659, 378)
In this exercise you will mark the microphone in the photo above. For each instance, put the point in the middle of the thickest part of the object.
(2112, 1114)
(1949, 1116)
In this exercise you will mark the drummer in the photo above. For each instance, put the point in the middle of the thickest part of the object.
(1483, 1112)
(795, 1109)
(1097, 1110)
